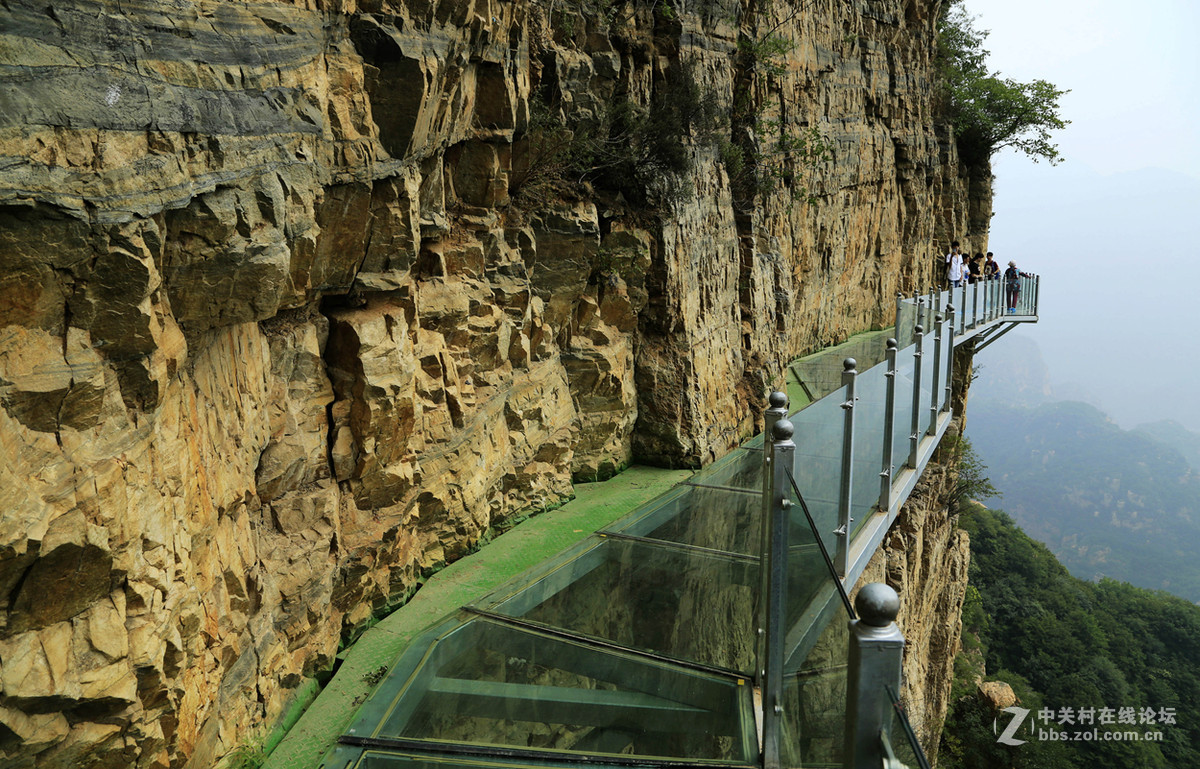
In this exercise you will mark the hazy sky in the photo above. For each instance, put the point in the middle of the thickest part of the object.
(1133, 70)
(1112, 230)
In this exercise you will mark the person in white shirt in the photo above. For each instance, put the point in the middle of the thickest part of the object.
(954, 265)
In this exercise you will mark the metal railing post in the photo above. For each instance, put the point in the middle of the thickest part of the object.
(874, 665)
(776, 566)
(934, 388)
(914, 436)
(889, 428)
(1037, 292)
(776, 410)
(842, 559)
(949, 360)
(899, 301)
(962, 304)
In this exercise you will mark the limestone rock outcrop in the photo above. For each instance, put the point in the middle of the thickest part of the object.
(276, 341)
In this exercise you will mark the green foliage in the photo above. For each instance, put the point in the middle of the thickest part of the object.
(766, 55)
(645, 152)
(972, 482)
(990, 112)
(974, 617)
(772, 151)
(542, 160)
(248, 755)
(642, 152)
(1062, 642)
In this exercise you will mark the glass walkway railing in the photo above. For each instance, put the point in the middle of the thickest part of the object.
(699, 630)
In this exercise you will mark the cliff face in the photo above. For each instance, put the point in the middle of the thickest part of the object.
(275, 343)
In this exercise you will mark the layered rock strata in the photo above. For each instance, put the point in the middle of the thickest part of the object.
(275, 343)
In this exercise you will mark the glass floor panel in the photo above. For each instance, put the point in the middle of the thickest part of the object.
(479, 682)
(679, 602)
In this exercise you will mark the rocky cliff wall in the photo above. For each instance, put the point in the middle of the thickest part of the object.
(275, 341)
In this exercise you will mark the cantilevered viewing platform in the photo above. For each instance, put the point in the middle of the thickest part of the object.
(702, 629)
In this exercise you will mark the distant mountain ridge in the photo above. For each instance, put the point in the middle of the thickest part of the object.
(1175, 435)
(1108, 502)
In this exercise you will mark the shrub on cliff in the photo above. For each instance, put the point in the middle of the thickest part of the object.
(990, 112)
(643, 152)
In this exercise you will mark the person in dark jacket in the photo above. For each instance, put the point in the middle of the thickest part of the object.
(975, 269)
(991, 270)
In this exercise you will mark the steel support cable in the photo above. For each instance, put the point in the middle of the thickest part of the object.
(824, 551)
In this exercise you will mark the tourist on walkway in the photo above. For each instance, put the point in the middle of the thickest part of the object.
(991, 270)
(954, 265)
(975, 269)
(1012, 285)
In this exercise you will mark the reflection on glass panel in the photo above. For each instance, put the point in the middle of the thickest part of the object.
(927, 356)
(869, 410)
(818, 461)
(809, 576)
(814, 709)
(963, 314)
(821, 372)
(903, 333)
(489, 683)
(945, 370)
(714, 518)
(905, 365)
(658, 598)
(738, 469)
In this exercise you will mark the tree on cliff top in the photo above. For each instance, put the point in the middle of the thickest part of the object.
(990, 112)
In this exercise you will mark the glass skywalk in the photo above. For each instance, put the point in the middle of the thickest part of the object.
(641, 644)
